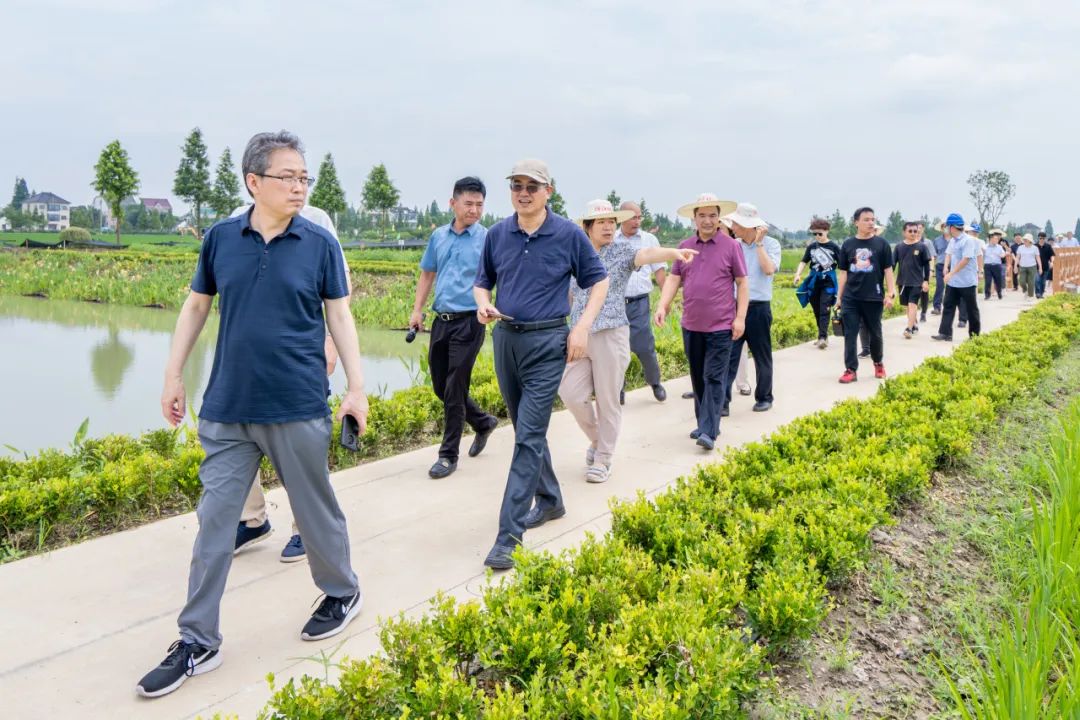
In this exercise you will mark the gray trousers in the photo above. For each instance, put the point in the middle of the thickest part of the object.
(298, 451)
(529, 367)
(642, 342)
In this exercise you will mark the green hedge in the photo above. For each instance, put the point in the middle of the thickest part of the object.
(675, 612)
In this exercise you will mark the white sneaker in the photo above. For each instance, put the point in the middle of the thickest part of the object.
(598, 473)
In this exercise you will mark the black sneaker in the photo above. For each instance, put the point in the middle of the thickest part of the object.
(688, 395)
(331, 617)
(184, 660)
(962, 323)
(248, 536)
(922, 317)
(659, 392)
(864, 354)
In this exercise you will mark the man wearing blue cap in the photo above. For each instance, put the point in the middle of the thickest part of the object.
(961, 280)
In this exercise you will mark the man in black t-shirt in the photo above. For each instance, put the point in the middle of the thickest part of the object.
(1046, 255)
(866, 287)
(912, 265)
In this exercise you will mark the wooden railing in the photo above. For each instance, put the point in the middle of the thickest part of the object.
(1066, 267)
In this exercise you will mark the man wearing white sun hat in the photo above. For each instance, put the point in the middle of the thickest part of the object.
(715, 296)
(761, 254)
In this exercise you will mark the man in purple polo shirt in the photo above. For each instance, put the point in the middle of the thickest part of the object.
(715, 298)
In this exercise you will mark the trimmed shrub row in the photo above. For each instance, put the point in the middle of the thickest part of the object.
(675, 612)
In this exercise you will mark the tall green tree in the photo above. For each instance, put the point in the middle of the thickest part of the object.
(21, 192)
(1049, 230)
(1076, 230)
(614, 199)
(894, 228)
(114, 180)
(192, 181)
(379, 193)
(990, 191)
(225, 195)
(328, 194)
(839, 228)
(556, 201)
(646, 215)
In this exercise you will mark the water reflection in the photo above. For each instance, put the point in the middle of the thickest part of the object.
(109, 360)
(65, 361)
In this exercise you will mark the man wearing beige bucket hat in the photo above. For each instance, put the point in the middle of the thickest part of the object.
(531, 257)
(715, 298)
(761, 254)
(601, 371)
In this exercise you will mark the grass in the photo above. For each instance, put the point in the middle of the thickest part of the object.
(957, 590)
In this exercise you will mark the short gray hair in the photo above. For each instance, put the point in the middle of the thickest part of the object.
(261, 146)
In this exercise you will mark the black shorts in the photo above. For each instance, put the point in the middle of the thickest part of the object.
(910, 294)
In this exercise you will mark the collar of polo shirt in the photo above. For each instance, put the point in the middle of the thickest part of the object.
(545, 229)
(245, 226)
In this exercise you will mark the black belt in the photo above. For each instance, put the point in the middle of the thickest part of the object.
(761, 302)
(644, 296)
(447, 317)
(523, 327)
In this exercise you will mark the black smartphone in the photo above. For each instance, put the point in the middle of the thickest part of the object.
(350, 433)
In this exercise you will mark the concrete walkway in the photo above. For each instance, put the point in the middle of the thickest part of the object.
(81, 625)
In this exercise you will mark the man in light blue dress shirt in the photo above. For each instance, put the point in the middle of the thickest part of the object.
(762, 254)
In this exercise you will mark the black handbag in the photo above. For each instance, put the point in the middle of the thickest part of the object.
(837, 323)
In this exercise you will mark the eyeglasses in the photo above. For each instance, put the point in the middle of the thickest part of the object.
(531, 188)
(291, 180)
(817, 233)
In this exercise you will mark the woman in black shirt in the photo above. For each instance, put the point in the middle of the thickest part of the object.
(823, 256)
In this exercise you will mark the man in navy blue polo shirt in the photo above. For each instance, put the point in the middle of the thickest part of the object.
(530, 256)
(275, 274)
(449, 263)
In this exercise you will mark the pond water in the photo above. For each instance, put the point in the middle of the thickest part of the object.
(62, 362)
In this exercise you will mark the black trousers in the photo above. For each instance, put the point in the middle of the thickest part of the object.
(866, 313)
(965, 298)
(451, 356)
(939, 284)
(758, 335)
(996, 274)
(709, 355)
(821, 300)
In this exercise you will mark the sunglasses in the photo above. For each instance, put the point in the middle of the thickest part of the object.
(817, 233)
(531, 188)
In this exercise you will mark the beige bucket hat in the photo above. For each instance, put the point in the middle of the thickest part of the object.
(708, 200)
(747, 216)
(601, 210)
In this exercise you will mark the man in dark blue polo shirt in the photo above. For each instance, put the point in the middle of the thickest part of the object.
(275, 274)
(530, 256)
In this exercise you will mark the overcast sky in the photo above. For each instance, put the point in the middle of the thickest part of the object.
(798, 107)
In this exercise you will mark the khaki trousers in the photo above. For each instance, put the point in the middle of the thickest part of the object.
(254, 513)
(600, 374)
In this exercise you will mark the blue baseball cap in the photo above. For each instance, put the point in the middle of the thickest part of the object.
(954, 220)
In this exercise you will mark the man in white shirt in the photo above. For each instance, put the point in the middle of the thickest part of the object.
(642, 342)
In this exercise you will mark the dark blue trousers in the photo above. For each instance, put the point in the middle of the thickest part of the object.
(529, 367)
(708, 354)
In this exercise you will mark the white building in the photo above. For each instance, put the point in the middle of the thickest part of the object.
(55, 209)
